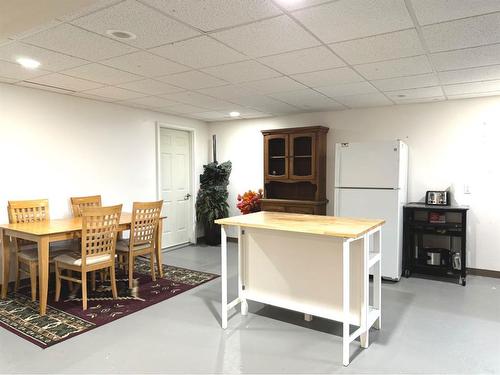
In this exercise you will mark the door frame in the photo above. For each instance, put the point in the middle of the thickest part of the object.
(192, 175)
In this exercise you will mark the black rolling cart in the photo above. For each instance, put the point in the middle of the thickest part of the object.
(434, 240)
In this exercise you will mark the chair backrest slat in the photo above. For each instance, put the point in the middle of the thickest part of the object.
(99, 230)
(30, 211)
(79, 203)
(145, 217)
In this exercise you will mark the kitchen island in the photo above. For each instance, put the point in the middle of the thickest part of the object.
(317, 265)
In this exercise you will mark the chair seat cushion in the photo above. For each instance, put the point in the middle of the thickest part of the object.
(124, 245)
(75, 259)
(31, 254)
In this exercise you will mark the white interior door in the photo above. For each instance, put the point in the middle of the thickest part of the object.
(175, 172)
(368, 165)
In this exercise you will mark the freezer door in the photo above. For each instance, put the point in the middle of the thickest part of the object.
(368, 165)
(377, 204)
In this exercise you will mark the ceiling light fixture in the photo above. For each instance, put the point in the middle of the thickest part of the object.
(234, 114)
(121, 34)
(28, 63)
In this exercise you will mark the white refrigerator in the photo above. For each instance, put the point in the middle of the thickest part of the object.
(371, 182)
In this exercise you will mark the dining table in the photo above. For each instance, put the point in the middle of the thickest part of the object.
(46, 232)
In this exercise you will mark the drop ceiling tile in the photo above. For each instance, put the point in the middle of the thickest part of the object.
(381, 47)
(200, 100)
(145, 64)
(73, 41)
(49, 60)
(346, 89)
(199, 52)
(423, 92)
(210, 116)
(306, 99)
(102, 74)
(210, 15)
(184, 109)
(93, 7)
(433, 11)
(249, 113)
(328, 77)
(151, 27)
(272, 85)
(395, 68)
(34, 30)
(299, 4)
(467, 58)
(93, 97)
(150, 87)
(472, 87)
(244, 71)
(303, 61)
(229, 92)
(114, 93)
(350, 19)
(410, 82)
(65, 82)
(151, 101)
(266, 104)
(8, 80)
(268, 37)
(474, 95)
(193, 80)
(17, 72)
(470, 75)
(470, 32)
(374, 99)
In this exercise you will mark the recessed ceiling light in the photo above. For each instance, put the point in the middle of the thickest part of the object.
(234, 114)
(401, 96)
(121, 34)
(28, 63)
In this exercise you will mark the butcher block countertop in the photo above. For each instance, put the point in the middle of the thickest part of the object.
(312, 224)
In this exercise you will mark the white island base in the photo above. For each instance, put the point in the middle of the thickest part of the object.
(319, 274)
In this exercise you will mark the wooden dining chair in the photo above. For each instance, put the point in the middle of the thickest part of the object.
(143, 234)
(26, 252)
(79, 203)
(99, 231)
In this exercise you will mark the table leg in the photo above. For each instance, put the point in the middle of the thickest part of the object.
(364, 338)
(345, 302)
(159, 236)
(223, 254)
(5, 262)
(377, 281)
(241, 273)
(43, 272)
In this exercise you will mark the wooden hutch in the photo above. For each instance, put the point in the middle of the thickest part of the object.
(295, 170)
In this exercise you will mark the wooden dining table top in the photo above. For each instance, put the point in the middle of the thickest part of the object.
(57, 226)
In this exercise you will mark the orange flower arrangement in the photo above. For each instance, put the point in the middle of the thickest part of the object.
(250, 201)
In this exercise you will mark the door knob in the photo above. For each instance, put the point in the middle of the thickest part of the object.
(187, 196)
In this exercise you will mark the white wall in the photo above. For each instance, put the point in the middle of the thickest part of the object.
(56, 146)
(451, 144)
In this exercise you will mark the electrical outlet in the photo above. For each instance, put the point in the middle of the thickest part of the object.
(466, 189)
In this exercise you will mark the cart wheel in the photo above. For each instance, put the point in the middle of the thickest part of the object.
(407, 273)
(463, 281)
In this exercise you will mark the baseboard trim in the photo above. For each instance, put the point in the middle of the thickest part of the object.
(485, 273)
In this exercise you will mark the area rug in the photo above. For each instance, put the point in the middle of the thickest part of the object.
(66, 319)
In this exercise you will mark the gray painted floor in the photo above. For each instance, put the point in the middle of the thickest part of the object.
(428, 327)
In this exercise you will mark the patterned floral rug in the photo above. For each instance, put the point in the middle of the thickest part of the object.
(66, 319)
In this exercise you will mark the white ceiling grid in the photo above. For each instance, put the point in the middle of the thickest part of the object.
(205, 58)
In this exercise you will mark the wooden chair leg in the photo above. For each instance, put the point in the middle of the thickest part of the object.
(18, 275)
(112, 277)
(84, 290)
(33, 277)
(130, 270)
(152, 265)
(92, 280)
(58, 283)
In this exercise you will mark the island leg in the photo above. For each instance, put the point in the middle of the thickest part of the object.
(377, 281)
(241, 273)
(223, 247)
(345, 302)
(364, 338)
